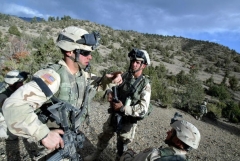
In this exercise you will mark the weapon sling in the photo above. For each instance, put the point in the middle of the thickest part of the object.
(60, 111)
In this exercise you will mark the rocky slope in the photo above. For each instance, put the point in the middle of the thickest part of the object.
(220, 140)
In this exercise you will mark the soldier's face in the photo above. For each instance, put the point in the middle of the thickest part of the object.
(137, 64)
(84, 60)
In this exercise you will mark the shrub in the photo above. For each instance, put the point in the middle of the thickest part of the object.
(233, 81)
(215, 109)
(232, 112)
(219, 91)
(14, 30)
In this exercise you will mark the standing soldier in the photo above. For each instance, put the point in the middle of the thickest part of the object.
(67, 80)
(202, 111)
(132, 104)
(12, 81)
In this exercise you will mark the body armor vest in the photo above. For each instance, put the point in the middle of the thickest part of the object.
(128, 89)
(71, 87)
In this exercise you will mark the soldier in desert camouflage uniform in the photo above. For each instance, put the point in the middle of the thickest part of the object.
(201, 111)
(134, 99)
(180, 139)
(12, 81)
(66, 80)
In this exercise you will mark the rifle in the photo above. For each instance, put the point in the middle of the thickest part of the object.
(115, 97)
(69, 119)
(63, 112)
(71, 137)
(116, 117)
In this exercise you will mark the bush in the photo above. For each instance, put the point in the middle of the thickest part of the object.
(232, 112)
(233, 81)
(215, 109)
(14, 30)
(219, 91)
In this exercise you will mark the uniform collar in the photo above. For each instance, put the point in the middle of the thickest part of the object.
(63, 63)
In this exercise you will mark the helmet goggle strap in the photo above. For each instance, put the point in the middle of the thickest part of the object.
(11, 76)
(87, 39)
(135, 53)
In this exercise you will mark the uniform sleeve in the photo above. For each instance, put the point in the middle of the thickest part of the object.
(19, 108)
(140, 109)
(101, 83)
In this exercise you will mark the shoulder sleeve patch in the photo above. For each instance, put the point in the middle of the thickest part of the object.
(48, 78)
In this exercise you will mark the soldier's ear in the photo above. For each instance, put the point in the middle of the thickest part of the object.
(69, 53)
(144, 66)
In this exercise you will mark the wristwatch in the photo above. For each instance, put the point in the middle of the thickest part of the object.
(122, 109)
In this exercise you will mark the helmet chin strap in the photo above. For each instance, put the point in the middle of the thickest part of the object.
(76, 59)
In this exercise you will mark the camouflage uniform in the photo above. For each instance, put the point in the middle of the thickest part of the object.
(21, 106)
(133, 112)
(202, 110)
(152, 154)
(3, 126)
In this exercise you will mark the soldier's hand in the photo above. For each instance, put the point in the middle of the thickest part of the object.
(116, 77)
(53, 140)
(117, 105)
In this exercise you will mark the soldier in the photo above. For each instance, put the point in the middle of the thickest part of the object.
(202, 110)
(12, 81)
(180, 139)
(67, 80)
(134, 99)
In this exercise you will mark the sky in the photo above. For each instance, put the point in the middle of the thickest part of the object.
(208, 20)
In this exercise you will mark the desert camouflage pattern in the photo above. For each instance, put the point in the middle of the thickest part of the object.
(5, 93)
(154, 154)
(3, 127)
(127, 133)
(21, 106)
(137, 108)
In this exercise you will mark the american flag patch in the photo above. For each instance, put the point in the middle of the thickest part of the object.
(48, 78)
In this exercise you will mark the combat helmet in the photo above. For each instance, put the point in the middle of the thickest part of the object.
(187, 133)
(15, 76)
(73, 38)
(136, 54)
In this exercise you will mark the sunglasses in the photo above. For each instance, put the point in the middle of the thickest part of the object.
(85, 53)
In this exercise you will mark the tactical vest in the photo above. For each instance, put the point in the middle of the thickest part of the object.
(168, 154)
(71, 88)
(127, 88)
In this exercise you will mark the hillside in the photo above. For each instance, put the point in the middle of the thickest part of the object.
(179, 67)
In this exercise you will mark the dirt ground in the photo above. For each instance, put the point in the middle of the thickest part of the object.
(220, 140)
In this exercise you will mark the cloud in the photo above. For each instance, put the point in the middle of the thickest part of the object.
(180, 18)
(14, 9)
